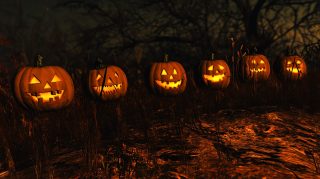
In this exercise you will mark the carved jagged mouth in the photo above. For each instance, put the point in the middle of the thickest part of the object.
(214, 78)
(257, 70)
(46, 96)
(107, 88)
(168, 85)
(293, 70)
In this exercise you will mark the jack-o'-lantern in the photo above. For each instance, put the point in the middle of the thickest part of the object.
(108, 82)
(255, 67)
(293, 67)
(44, 88)
(215, 73)
(168, 78)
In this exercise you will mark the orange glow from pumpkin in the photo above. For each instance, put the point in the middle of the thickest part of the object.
(175, 72)
(108, 88)
(168, 85)
(257, 70)
(56, 79)
(34, 80)
(214, 78)
(293, 70)
(164, 72)
(47, 96)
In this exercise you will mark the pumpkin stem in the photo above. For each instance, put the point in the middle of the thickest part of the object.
(288, 50)
(294, 51)
(291, 51)
(212, 56)
(255, 50)
(99, 63)
(166, 56)
(39, 60)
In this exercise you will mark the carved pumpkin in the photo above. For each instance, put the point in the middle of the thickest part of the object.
(216, 73)
(168, 78)
(108, 82)
(293, 68)
(255, 67)
(44, 88)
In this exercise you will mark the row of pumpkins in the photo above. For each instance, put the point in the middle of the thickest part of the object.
(50, 87)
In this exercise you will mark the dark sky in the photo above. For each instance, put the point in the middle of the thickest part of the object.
(27, 18)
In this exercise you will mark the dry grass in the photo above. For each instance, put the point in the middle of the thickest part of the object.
(136, 135)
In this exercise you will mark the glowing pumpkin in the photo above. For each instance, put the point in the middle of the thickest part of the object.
(108, 82)
(255, 68)
(216, 73)
(44, 88)
(293, 68)
(168, 78)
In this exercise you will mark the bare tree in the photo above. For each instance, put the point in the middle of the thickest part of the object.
(198, 25)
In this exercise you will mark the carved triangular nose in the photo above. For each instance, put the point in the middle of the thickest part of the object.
(47, 86)
(109, 81)
(171, 77)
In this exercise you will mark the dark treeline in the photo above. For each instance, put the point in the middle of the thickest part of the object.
(144, 30)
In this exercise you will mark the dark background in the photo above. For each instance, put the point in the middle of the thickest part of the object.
(132, 35)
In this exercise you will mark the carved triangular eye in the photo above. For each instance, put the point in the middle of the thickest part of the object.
(221, 67)
(210, 68)
(164, 72)
(98, 77)
(55, 79)
(298, 62)
(175, 72)
(116, 75)
(47, 86)
(34, 80)
(261, 62)
(289, 62)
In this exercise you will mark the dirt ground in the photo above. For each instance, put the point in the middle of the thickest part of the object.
(264, 142)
